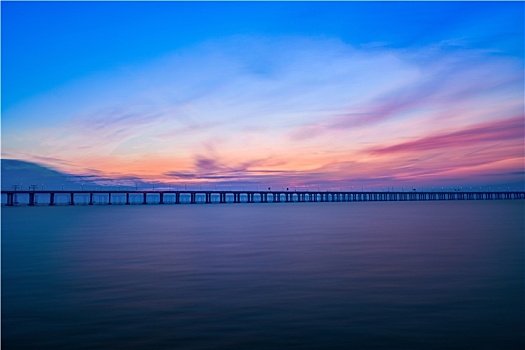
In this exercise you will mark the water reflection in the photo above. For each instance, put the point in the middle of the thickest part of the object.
(306, 276)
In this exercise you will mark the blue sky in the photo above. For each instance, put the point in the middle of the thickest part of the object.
(301, 74)
(47, 44)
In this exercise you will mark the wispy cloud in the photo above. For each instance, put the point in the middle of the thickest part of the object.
(288, 110)
(499, 130)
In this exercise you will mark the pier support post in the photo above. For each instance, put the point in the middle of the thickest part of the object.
(31, 199)
(51, 198)
(72, 198)
(177, 198)
(127, 198)
(161, 199)
(109, 198)
(144, 201)
(91, 198)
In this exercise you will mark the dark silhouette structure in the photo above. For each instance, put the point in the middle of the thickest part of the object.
(209, 197)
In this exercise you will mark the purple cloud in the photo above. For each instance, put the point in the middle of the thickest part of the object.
(500, 130)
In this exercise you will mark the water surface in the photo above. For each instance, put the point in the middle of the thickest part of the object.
(394, 275)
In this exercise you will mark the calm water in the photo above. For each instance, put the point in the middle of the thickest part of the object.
(428, 275)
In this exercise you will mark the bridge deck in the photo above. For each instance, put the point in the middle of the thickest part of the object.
(208, 197)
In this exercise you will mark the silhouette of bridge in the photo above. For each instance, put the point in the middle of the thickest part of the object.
(108, 197)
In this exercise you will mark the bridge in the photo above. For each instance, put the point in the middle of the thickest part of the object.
(109, 197)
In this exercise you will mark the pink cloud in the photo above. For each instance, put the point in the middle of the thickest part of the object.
(500, 130)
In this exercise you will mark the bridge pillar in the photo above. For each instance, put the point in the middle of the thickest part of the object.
(144, 201)
(161, 199)
(72, 198)
(177, 198)
(10, 200)
(51, 198)
(109, 198)
(31, 199)
(127, 198)
(91, 198)
(193, 198)
(208, 197)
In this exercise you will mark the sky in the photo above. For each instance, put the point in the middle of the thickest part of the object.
(333, 95)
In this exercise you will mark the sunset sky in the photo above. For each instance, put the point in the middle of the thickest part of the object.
(339, 94)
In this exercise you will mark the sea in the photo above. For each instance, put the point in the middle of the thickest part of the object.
(359, 275)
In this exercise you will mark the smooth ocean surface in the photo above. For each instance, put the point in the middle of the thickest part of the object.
(395, 275)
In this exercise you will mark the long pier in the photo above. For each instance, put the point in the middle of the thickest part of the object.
(109, 197)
